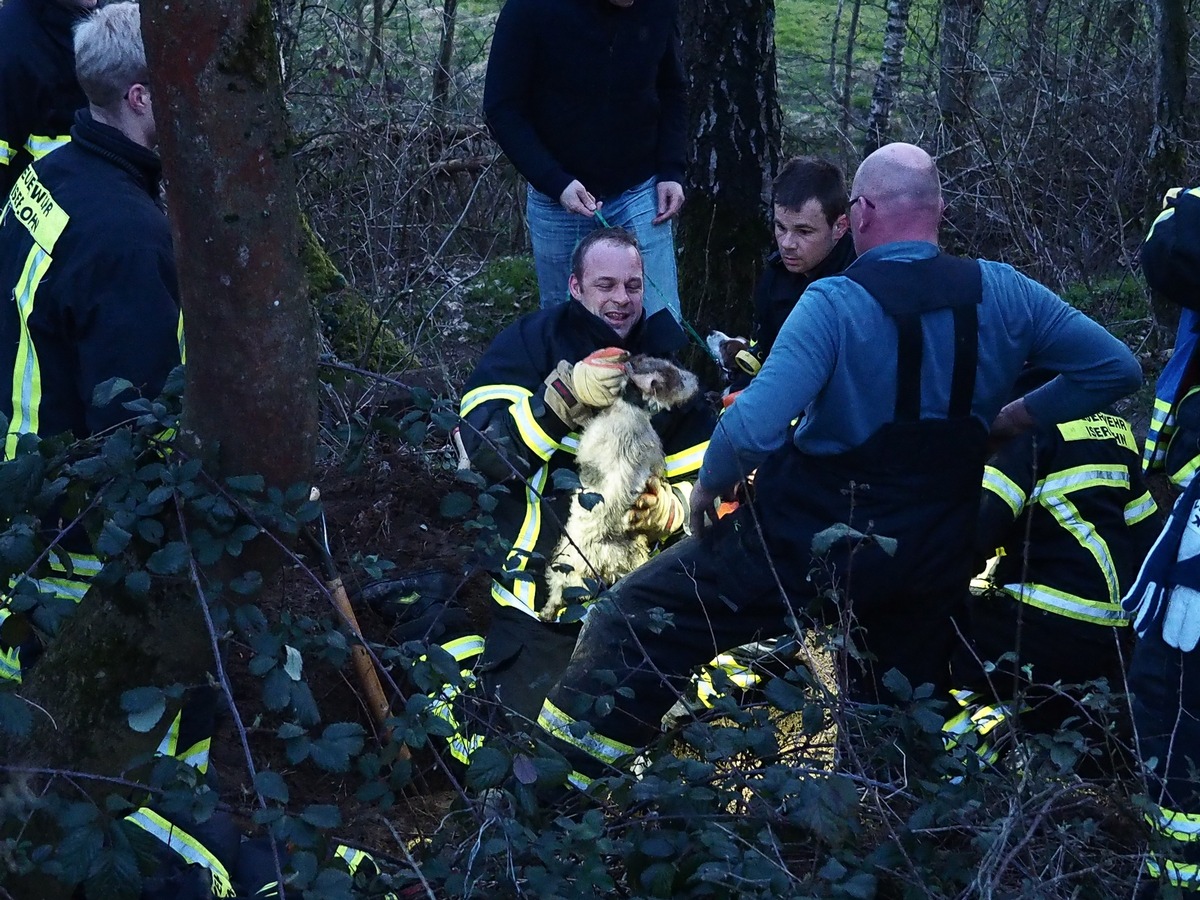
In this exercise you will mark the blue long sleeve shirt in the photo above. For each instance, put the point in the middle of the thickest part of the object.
(835, 361)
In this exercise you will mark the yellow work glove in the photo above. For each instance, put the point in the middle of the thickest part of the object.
(660, 510)
(595, 382)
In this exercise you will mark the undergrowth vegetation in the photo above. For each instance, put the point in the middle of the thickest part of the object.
(788, 791)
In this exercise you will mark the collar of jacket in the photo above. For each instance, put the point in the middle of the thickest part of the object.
(657, 334)
(110, 144)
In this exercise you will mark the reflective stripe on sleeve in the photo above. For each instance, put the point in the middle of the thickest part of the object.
(39, 145)
(1064, 604)
(191, 850)
(1178, 826)
(510, 393)
(1004, 488)
(686, 461)
(6, 153)
(1158, 435)
(555, 722)
(1140, 509)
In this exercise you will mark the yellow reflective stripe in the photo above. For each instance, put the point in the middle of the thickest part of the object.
(1179, 826)
(523, 591)
(1183, 477)
(464, 647)
(39, 145)
(1069, 605)
(83, 565)
(351, 856)
(686, 461)
(505, 597)
(1183, 875)
(182, 341)
(1005, 488)
(510, 393)
(6, 153)
(1082, 477)
(196, 755)
(63, 588)
(555, 722)
(27, 376)
(192, 851)
(533, 434)
(739, 675)
(1051, 494)
(10, 660)
(1158, 435)
(167, 746)
(579, 781)
(1099, 427)
(1140, 509)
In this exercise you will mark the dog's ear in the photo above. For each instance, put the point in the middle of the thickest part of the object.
(647, 383)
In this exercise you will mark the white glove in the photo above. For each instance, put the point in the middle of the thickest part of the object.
(1181, 624)
(1167, 588)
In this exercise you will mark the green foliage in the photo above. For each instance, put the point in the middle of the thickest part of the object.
(506, 289)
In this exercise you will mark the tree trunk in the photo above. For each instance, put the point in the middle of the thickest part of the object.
(250, 402)
(1167, 154)
(734, 119)
(251, 398)
(441, 74)
(960, 29)
(887, 80)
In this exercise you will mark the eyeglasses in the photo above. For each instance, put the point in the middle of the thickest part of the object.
(854, 200)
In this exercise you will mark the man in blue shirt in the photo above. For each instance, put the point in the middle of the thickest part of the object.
(901, 365)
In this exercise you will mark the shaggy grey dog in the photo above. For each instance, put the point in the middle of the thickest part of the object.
(619, 454)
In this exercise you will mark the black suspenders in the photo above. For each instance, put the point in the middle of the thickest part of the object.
(908, 290)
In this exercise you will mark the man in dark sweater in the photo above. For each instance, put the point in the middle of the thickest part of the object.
(38, 90)
(812, 238)
(586, 97)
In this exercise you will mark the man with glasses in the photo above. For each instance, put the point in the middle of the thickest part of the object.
(901, 365)
(39, 93)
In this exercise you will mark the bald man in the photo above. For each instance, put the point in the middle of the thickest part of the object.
(864, 512)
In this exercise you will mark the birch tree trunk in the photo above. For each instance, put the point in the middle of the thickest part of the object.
(887, 80)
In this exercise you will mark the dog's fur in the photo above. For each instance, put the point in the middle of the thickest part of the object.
(619, 453)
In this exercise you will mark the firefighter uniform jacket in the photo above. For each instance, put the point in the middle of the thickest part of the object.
(776, 295)
(503, 402)
(1069, 510)
(87, 262)
(38, 91)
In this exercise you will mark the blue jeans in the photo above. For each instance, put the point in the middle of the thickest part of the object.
(556, 232)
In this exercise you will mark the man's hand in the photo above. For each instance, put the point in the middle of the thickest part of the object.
(577, 199)
(670, 200)
(595, 382)
(703, 504)
(658, 511)
(1012, 420)
(600, 377)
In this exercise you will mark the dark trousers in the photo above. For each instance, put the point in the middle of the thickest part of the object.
(1165, 683)
(641, 641)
